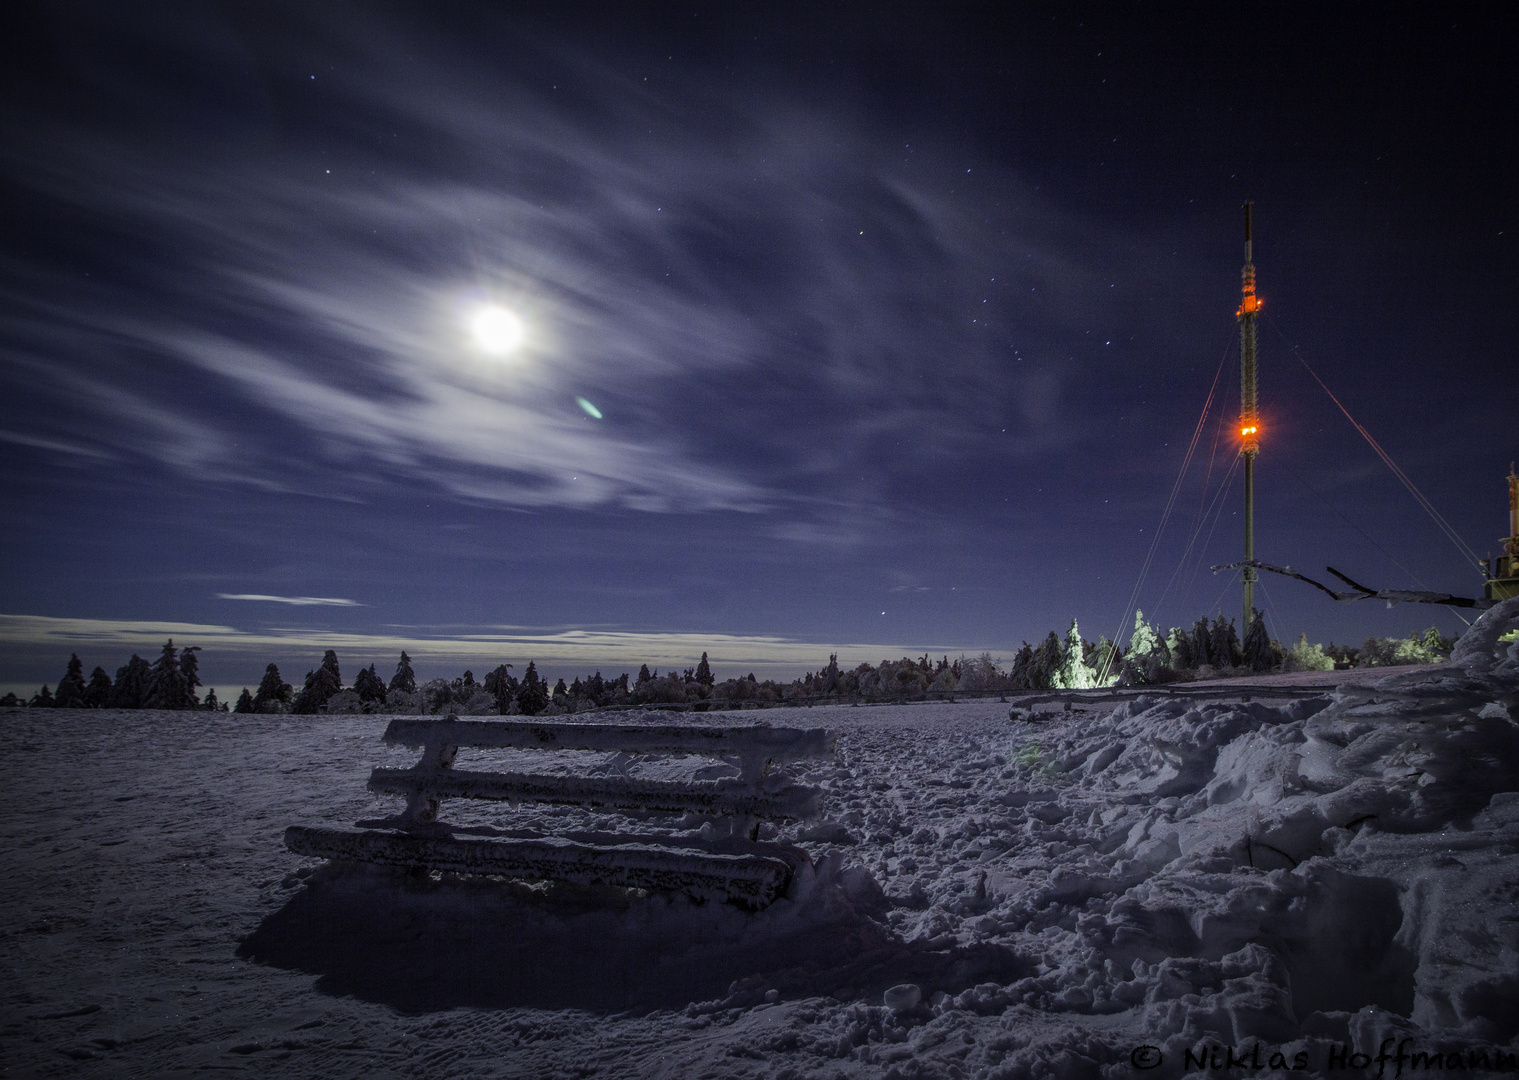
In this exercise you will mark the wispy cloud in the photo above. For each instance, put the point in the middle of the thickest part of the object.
(56, 445)
(228, 647)
(760, 305)
(298, 601)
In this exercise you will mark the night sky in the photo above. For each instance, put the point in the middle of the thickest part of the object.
(874, 329)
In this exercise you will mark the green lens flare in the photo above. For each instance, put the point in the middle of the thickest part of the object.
(590, 410)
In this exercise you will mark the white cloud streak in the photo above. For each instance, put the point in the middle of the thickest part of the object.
(296, 601)
(56, 445)
(688, 282)
(553, 649)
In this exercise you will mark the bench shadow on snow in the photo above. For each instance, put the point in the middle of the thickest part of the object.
(419, 945)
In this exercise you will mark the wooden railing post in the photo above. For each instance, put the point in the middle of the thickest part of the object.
(422, 806)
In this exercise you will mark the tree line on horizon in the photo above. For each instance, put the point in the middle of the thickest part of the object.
(1206, 650)
(169, 682)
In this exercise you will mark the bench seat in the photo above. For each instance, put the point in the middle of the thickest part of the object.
(753, 878)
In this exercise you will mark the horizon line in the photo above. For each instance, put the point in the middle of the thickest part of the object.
(559, 648)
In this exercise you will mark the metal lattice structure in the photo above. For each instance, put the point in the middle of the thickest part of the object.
(1249, 415)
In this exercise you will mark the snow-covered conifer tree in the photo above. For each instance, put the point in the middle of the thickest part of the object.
(1223, 643)
(71, 687)
(500, 685)
(1436, 644)
(1044, 673)
(1107, 659)
(131, 684)
(1257, 653)
(1074, 673)
(1019, 677)
(830, 675)
(1143, 641)
(369, 686)
(404, 679)
(1148, 653)
(97, 695)
(1202, 644)
(166, 688)
(532, 695)
(273, 692)
(320, 685)
(189, 668)
(1179, 644)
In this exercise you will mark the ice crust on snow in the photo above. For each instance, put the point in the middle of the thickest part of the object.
(1328, 871)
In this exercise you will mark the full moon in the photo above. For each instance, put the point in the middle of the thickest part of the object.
(496, 330)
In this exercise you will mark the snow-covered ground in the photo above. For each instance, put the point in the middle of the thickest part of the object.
(1103, 892)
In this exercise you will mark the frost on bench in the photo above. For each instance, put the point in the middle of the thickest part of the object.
(747, 872)
(728, 798)
(756, 746)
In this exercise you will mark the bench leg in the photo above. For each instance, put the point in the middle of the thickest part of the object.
(424, 808)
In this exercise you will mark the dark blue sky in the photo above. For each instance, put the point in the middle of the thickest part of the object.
(898, 324)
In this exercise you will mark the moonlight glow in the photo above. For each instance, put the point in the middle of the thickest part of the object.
(496, 330)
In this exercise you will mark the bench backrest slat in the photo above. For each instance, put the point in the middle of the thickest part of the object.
(748, 795)
(627, 793)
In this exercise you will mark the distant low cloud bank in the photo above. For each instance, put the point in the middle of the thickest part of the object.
(232, 654)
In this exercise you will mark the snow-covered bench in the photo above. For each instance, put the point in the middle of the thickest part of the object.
(705, 865)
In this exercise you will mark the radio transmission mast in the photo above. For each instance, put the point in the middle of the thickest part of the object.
(1249, 420)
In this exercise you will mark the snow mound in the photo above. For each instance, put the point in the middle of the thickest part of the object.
(1159, 884)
